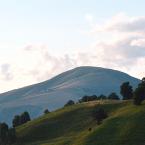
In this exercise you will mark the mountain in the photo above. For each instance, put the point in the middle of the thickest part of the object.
(54, 93)
(125, 125)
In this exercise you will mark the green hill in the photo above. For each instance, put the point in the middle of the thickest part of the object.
(70, 126)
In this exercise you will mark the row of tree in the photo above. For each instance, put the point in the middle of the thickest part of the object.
(138, 95)
(126, 90)
(112, 96)
(7, 135)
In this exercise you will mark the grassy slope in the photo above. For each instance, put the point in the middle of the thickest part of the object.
(69, 126)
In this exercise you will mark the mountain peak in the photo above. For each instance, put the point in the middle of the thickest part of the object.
(54, 93)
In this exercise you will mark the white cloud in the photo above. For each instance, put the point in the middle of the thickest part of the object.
(89, 18)
(120, 44)
(123, 24)
(138, 42)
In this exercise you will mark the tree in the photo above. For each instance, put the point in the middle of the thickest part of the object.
(139, 93)
(84, 99)
(21, 119)
(25, 117)
(100, 115)
(46, 111)
(16, 121)
(143, 80)
(3, 133)
(7, 135)
(102, 97)
(12, 135)
(69, 103)
(113, 96)
(88, 98)
(138, 96)
(126, 91)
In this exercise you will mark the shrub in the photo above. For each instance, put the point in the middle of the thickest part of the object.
(88, 98)
(113, 96)
(46, 111)
(102, 97)
(100, 115)
(69, 103)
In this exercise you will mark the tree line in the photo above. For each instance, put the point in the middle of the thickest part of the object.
(8, 135)
(126, 91)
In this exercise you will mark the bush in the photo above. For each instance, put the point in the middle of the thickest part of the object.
(113, 96)
(88, 98)
(46, 111)
(102, 97)
(69, 103)
(100, 115)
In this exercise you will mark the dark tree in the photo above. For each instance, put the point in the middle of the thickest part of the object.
(143, 80)
(138, 96)
(92, 98)
(16, 121)
(88, 98)
(46, 111)
(7, 136)
(69, 103)
(3, 133)
(100, 115)
(113, 96)
(102, 97)
(139, 93)
(84, 99)
(12, 135)
(126, 91)
(21, 119)
(25, 117)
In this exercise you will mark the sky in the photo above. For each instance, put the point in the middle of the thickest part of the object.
(42, 38)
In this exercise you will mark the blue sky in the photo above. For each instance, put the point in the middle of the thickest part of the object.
(34, 32)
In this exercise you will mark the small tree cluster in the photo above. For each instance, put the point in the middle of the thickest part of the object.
(102, 97)
(88, 98)
(7, 135)
(139, 93)
(21, 119)
(100, 115)
(92, 98)
(112, 96)
(69, 103)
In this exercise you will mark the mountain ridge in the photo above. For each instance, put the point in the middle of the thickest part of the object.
(54, 93)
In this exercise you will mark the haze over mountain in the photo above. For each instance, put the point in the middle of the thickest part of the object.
(54, 93)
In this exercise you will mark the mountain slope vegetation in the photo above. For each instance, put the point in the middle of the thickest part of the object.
(54, 93)
(71, 125)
